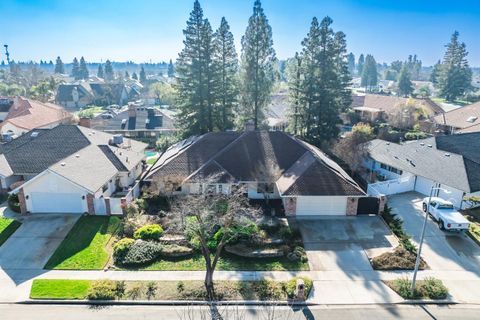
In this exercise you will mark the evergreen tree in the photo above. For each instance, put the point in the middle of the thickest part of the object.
(171, 69)
(134, 76)
(225, 63)
(434, 76)
(83, 71)
(100, 73)
(109, 74)
(405, 85)
(344, 77)
(194, 75)
(369, 73)
(59, 67)
(143, 76)
(361, 62)
(294, 77)
(127, 75)
(257, 69)
(456, 76)
(351, 63)
(75, 69)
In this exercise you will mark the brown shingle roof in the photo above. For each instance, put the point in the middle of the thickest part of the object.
(458, 118)
(390, 104)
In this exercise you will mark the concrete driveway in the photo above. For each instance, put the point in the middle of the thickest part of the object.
(34, 242)
(443, 250)
(344, 243)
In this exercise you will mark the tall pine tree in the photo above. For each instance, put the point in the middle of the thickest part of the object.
(100, 73)
(59, 67)
(76, 69)
(143, 76)
(83, 71)
(170, 69)
(369, 73)
(360, 64)
(225, 62)
(455, 78)
(134, 76)
(351, 63)
(257, 66)
(109, 74)
(405, 85)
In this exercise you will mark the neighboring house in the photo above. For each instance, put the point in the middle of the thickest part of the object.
(20, 115)
(462, 120)
(451, 161)
(84, 93)
(277, 110)
(271, 165)
(134, 121)
(373, 107)
(71, 169)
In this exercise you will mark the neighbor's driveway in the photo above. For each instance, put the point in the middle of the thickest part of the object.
(443, 250)
(344, 243)
(34, 242)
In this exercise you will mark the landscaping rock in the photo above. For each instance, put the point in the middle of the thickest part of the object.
(248, 252)
(177, 239)
(175, 251)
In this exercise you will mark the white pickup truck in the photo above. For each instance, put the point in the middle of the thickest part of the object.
(445, 214)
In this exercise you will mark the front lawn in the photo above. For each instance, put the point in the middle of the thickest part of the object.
(163, 290)
(227, 262)
(7, 228)
(85, 246)
(473, 215)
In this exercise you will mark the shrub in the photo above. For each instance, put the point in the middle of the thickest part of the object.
(268, 290)
(433, 288)
(180, 287)
(414, 135)
(175, 250)
(121, 248)
(151, 290)
(399, 259)
(148, 232)
(141, 252)
(102, 290)
(14, 203)
(403, 287)
(135, 292)
(290, 286)
(120, 288)
(298, 254)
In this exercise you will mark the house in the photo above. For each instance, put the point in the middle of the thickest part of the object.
(134, 121)
(373, 107)
(79, 95)
(461, 120)
(20, 115)
(271, 164)
(452, 162)
(71, 169)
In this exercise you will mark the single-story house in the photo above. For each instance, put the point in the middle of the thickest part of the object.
(20, 115)
(271, 164)
(134, 121)
(451, 162)
(372, 107)
(71, 169)
(462, 120)
(74, 96)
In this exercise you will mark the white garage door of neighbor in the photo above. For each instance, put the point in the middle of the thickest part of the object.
(321, 206)
(423, 185)
(43, 202)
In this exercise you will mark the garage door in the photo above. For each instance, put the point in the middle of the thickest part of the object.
(423, 185)
(42, 202)
(321, 206)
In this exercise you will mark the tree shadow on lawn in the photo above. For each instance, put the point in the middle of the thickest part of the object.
(84, 246)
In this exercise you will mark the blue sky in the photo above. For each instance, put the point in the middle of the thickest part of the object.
(144, 30)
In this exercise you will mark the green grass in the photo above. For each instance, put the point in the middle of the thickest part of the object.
(59, 289)
(227, 263)
(7, 228)
(457, 102)
(84, 247)
(151, 160)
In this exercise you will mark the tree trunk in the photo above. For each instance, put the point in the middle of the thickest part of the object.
(209, 284)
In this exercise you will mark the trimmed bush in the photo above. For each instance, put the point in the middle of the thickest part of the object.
(174, 251)
(433, 289)
(121, 248)
(141, 252)
(148, 232)
(290, 286)
(430, 288)
(399, 259)
(13, 203)
(268, 290)
(298, 254)
(102, 290)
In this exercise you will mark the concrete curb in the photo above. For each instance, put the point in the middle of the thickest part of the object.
(167, 302)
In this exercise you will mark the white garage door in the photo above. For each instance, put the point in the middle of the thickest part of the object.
(423, 185)
(42, 202)
(321, 206)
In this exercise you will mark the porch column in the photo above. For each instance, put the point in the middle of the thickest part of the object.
(107, 207)
(90, 205)
(22, 201)
(352, 206)
(381, 204)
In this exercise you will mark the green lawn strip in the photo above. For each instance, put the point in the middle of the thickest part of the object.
(59, 289)
(166, 290)
(7, 228)
(474, 232)
(152, 160)
(84, 247)
(429, 288)
(227, 262)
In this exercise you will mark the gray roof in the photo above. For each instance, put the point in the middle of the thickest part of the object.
(450, 160)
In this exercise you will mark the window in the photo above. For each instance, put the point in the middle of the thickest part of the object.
(220, 188)
(178, 189)
(391, 169)
(265, 188)
(211, 188)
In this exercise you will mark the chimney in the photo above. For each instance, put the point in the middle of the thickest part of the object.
(85, 122)
(249, 126)
(132, 110)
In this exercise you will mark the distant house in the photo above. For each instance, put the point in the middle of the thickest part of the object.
(134, 121)
(271, 164)
(100, 93)
(373, 107)
(451, 162)
(462, 120)
(20, 115)
(71, 169)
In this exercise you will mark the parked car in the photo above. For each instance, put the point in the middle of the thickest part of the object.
(445, 214)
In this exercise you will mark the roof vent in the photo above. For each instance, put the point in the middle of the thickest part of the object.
(447, 154)
(63, 164)
(117, 139)
(34, 134)
(472, 119)
(422, 143)
(429, 146)
(388, 143)
(77, 156)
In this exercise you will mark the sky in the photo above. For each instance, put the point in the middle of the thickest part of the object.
(151, 30)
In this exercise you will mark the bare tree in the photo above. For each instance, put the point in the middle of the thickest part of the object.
(353, 147)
